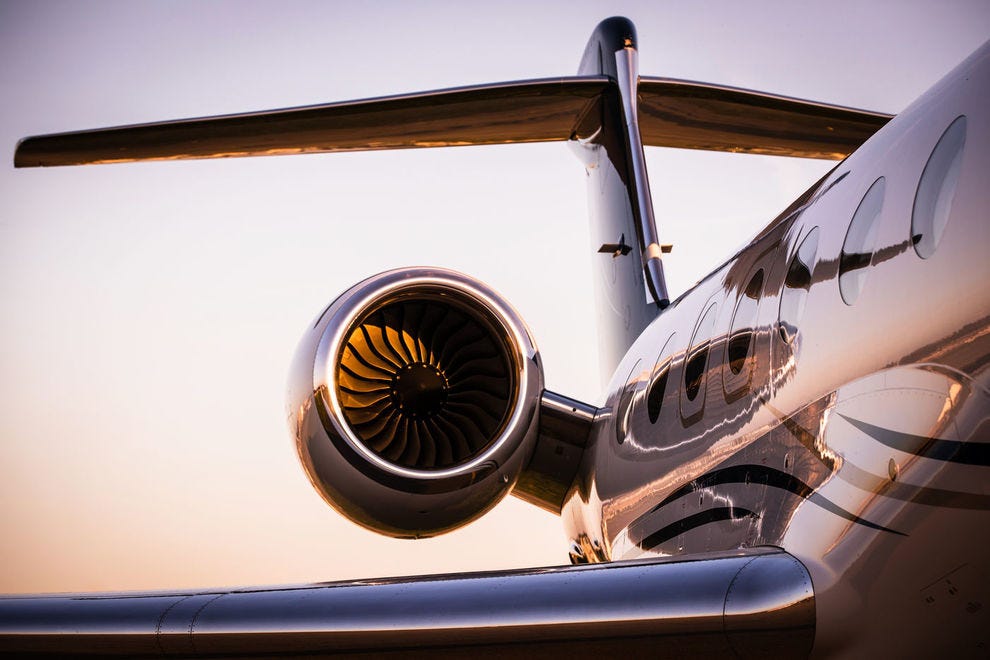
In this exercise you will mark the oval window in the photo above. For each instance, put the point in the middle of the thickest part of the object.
(658, 387)
(797, 283)
(857, 249)
(936, 189)
(623, 411)
(654, 401)
(697, 361)
(743, 323)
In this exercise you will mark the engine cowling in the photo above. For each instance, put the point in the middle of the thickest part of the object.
(414, 400)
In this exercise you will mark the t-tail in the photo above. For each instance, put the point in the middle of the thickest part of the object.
(608, 112)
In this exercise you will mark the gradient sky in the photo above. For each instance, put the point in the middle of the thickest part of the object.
(151, 309)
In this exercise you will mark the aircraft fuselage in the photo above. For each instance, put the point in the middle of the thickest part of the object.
(827, 391)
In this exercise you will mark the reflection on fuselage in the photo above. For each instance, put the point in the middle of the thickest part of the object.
(827, 390)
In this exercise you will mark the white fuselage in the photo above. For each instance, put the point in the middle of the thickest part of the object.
(835, 401)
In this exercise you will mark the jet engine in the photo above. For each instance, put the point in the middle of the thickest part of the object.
(414, 399)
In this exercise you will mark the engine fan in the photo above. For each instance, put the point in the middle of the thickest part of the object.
(414, 400)
(424, 384)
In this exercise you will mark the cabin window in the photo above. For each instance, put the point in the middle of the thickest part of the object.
(658, 384)
(654, 401)
(697, 359)
(623, 411)
(797, 283)
(937, 188)
(857, 249)
(743, 324)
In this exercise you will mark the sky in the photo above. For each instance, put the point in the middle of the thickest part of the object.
(151, 310)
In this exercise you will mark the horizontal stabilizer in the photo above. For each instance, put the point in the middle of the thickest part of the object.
(673, 113)
(691, 115)
(500, 113)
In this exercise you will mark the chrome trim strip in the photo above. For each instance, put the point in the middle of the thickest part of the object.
(565, 406)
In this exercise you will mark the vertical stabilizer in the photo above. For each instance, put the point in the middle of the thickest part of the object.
(629, 285)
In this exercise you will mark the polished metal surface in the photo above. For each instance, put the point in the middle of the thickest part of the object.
(399, 492)
(618, 193)
(816, 410)
(500, 113)
(847, 422)
(565, 425)
(692, 115)
(738, 603)
(674, 113)
(627, 76)
(677, 113)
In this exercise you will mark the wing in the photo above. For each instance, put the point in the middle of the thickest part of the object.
(498, 113)
(662, 608)
(691, 115)
(673, 113)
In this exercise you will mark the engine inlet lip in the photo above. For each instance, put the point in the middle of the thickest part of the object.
(449, 287)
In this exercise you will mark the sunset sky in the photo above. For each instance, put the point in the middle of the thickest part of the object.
(151, 309)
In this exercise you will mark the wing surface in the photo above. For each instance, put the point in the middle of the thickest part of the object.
(498, 113)
(750, 603)
(692, 115)
(672, 113)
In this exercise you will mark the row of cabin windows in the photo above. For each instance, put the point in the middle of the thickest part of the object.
(929, 216)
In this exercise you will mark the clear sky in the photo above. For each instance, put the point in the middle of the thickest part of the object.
(150, 310)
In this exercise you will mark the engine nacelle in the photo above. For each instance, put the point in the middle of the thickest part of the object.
(414, 400)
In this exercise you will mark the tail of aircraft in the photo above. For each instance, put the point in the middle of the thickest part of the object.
(608, 112)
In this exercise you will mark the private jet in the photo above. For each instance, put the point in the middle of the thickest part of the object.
(792, 458)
